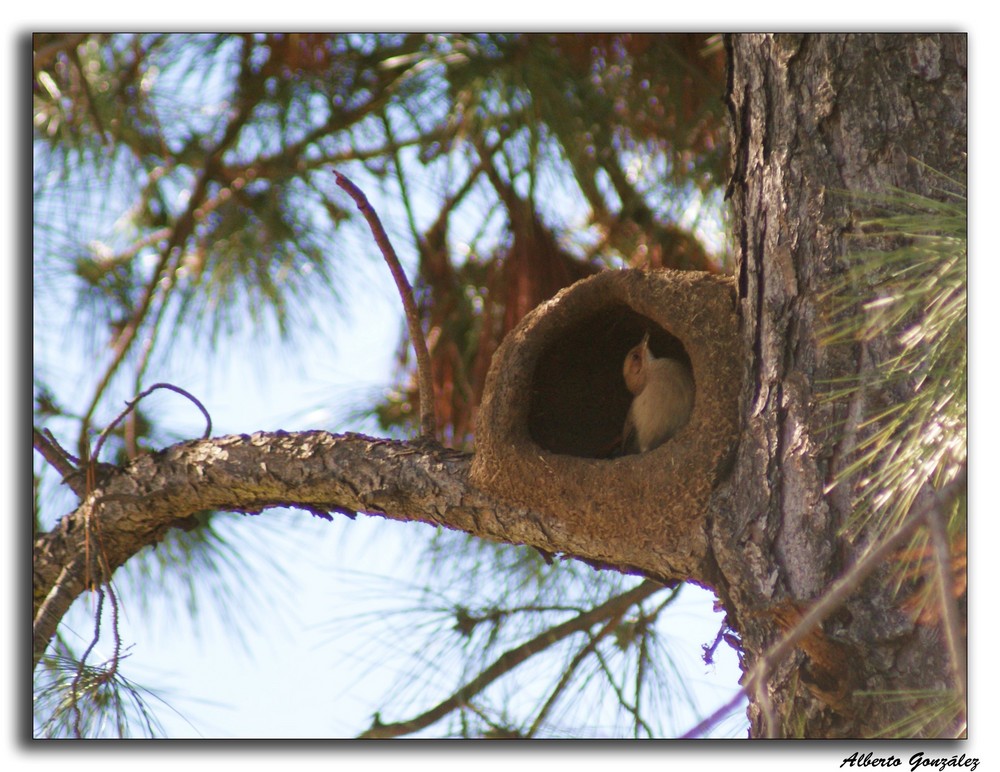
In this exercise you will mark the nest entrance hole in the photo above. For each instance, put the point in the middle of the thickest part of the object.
(578, 395)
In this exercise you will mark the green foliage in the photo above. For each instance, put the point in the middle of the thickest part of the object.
(907, 298)
(902, 304)
(931, 712)
(547, 676)
(95, 701)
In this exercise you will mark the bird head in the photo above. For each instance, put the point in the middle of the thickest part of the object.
(636, 368)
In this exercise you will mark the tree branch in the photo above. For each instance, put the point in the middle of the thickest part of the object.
(428, 424)
(950, 618)
(315, 471)
(182, 229)
(613, 608)
(57, 456)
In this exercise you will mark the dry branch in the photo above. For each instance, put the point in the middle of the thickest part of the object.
(428, 423)
(613, 608)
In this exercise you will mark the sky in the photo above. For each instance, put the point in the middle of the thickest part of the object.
(288, 655)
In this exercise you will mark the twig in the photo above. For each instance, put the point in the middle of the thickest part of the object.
(131, 405)
(90, 459)
(765, 706)
(75, 688)
(511, 659)
(56, 455)
(428, 422)
(638, 720)
(182, 229)
(949, 615)
(566, 677)
(708, 651)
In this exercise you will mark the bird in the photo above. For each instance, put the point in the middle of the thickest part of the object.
(663, 397)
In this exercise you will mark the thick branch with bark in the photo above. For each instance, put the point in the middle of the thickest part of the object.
(131, 508)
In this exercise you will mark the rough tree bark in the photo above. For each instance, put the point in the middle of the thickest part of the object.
(815, 116)
(127, 509)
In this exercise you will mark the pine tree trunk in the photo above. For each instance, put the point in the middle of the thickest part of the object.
(813, 117)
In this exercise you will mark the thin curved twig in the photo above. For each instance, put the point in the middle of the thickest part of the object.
(567, 676)
(428, 422)
(131, 406)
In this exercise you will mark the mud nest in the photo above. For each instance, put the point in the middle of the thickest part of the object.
(555, 402)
